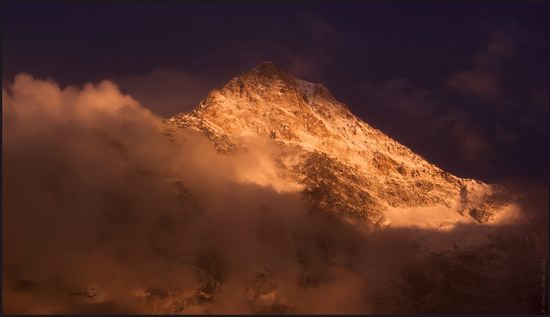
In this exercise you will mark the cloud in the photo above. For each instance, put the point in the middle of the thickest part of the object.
(320, 39)
(403, 98)
(320, 29)
(167, 92)
(500, 46)
(475, 146)
(433, 125)
(103, 214)
(480, 83)
(474, 125)
(114, 212)
(483, 79)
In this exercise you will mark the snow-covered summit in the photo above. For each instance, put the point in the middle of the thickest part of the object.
(344, 165)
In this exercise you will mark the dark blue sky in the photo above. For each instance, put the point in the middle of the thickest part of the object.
(465, 84)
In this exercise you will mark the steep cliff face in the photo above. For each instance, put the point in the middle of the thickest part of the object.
(343, 165)
(306, 210)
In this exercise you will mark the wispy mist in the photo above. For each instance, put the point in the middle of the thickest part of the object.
(103, 214)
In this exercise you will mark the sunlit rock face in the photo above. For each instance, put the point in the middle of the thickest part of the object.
(346, 169)
(299, 207)
(342, 164)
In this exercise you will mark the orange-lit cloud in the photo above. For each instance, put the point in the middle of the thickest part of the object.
(473, 143)
(483, 79)
(98, 203)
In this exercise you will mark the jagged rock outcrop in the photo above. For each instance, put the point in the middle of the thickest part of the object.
(346, 166)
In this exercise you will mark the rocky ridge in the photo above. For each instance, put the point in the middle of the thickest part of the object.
(345, 166)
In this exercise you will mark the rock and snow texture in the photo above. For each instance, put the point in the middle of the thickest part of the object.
(120, 220)
(339, 163)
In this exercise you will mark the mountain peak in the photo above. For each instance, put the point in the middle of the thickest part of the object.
(330, 152)
(266, 66)
(267, 74)
(267, 80)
